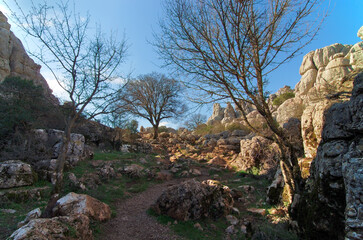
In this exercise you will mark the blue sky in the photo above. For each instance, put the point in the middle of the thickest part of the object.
(139, 18)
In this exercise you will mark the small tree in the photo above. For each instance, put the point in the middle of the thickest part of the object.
(153, 97)
(194, 121)
(228, 48)
(83, 66)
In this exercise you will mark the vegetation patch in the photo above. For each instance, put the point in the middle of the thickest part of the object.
(282, 98)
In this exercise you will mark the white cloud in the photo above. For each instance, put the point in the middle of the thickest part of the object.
(169, 124)
(4, 9)
(53, 84)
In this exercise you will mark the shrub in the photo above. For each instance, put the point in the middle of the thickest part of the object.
(282, 98)
(22, 104)
(236, 126)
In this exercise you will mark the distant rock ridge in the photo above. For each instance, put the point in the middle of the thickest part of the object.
(15, 62)
(325, 80)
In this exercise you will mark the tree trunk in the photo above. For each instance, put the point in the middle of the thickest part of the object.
(156, 131)
(58, 184)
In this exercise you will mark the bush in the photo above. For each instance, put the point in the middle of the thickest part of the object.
(282, 98)
(204, 129)
(237, 126)
(22, 104)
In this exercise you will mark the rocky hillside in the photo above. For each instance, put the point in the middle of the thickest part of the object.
(15, 62)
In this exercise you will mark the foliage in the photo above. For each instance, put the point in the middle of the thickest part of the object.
(282, 98)
(22, 104)
(132, 126)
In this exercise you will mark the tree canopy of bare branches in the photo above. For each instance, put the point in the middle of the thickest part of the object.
(153, 97)
(228, 48)
(83, 65)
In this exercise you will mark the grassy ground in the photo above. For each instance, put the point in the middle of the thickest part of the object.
(123, 187)
(215, 229)
(108, 192)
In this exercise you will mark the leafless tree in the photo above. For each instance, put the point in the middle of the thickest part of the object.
(227, 48)
(153, 97)
(83, 65)
(195, 120)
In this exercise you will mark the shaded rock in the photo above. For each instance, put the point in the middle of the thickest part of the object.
(23, 195)
(73, 204)
(232, 219)
(46, 169)
(192, 200)
(68, 227)
(133, 170)
(332, 199)
(30, 216)
(14, 173)
(274, 191)
(164, 175)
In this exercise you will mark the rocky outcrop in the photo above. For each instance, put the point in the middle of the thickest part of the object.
(334, 199)
(217, 115)
(15, 174)
(257, 152)
(192, 200)
(15, 62)
(73, 204)
(229, 114)
(67, 227)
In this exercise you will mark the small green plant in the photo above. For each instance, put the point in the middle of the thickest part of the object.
(282, 98)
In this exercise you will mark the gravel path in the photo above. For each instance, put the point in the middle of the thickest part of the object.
(132, 221)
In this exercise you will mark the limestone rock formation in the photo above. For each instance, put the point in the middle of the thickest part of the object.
(192, 200)
(15, 62)
(257, 152)
(73, 204)
(15, 173)
(335, 185)
(68, 227)
(229, 114)
(217, 115)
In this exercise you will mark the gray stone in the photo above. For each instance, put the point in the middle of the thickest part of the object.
(14, 173)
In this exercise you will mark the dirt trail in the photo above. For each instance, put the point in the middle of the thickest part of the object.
(132, 222)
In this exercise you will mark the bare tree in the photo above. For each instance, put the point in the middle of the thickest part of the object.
(228, 48)
(194, 121)
(153, 97)
(83, 65)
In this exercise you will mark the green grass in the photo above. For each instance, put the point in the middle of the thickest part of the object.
(9, 221)
(187, 230)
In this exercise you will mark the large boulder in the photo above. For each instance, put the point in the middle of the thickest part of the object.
(73, 204)
(192, 200)
(291, 108)
(15, 173)
(257, 152)
(67, 227)
(333, 199)
(49, 141)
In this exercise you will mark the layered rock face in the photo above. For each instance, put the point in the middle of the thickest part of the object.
(335, 187)
(15, 62)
